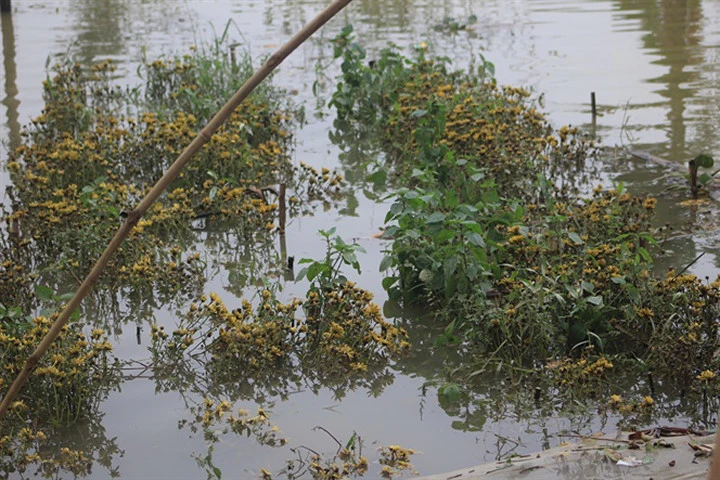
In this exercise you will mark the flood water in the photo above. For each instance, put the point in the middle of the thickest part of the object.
(653, 64)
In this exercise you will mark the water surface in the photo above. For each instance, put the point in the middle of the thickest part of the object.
(652, 63)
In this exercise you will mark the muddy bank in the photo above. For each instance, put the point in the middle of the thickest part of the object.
(680, 457)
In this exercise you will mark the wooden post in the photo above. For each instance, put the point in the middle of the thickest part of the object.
(693, 170)
(283, 208)
(593, 108)
(287, 262)
(5, 6)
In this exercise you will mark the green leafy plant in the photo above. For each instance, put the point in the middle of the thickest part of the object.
(327, 273)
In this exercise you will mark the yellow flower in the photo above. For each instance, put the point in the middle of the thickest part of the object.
(706, 376)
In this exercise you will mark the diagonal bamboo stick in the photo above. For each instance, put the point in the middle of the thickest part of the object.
(714, 471)
(172, 172)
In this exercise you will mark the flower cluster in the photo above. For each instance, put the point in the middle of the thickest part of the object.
(341, 340)
(72, 378)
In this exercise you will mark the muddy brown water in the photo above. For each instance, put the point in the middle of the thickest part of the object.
(653, 64)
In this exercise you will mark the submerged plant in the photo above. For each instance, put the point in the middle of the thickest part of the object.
(67, 385)
(497, 228)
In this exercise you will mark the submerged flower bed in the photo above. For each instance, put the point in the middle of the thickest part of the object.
(83, 165)
(75, 375)
(490, 229)
(496, 226)
(95, 151)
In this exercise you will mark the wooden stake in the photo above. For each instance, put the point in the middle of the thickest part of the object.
(283, 208)
(172, 172)
(693, 171)
(5, 6)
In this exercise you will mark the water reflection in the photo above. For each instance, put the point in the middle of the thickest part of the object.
(674, 32)
(114, 28)
(10, 101)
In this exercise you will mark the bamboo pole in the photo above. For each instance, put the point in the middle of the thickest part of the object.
(170, 174)
(714, 472)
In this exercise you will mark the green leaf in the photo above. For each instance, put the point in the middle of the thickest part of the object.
(476, 239)
(327, 233)
(451, 391)
(410, 194)
(450, 328)
(44, 293)
(114, 212)
(386, 263)
(316, 269)
(596, 300)
(301, 274)
(351, 443)
(378, 177)
(349, 258)
(576, 238)
(419, 113)
(425, 275)
(450, 265)
(445, 235)
(704, 161)
(390, 232)
(644, 254)
(65, 297)
(388, 282)
(435, 217)
(357, 248)
(587, 286)
(618, 280)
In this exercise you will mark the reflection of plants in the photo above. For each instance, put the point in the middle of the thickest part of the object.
(453, 25)
(217, 418)
(347, 462)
